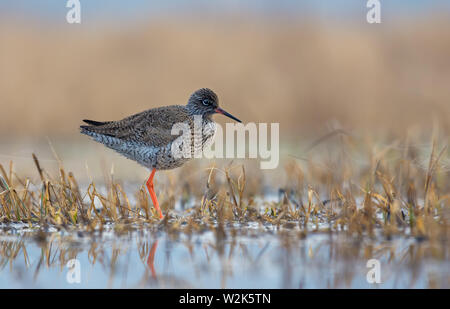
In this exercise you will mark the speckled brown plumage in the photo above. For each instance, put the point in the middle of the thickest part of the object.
(152, 127)
(147, 137)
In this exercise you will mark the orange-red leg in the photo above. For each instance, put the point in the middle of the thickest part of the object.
(152, 193)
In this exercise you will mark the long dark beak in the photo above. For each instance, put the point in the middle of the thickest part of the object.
(221, 111)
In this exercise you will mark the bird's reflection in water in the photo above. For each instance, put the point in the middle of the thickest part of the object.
(147, 251)
(151, 259)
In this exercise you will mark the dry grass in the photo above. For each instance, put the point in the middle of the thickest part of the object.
(386, 193)
(373, 200)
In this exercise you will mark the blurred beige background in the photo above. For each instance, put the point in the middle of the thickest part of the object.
(302, 75)
(310, 74)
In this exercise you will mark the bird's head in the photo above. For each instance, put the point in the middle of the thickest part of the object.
(206, 103)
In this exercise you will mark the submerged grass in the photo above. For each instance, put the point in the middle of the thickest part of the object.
(342, 202)
(389, 194)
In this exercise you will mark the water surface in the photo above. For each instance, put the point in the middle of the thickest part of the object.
(245, 256)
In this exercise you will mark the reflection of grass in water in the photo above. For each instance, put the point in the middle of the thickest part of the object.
(325, 261)
(392, 196)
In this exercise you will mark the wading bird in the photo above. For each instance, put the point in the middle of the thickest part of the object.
(147, 137)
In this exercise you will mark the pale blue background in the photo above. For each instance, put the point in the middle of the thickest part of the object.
(99, 10)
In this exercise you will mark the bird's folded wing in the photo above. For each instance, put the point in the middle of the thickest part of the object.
(152, 136)
(153, 127)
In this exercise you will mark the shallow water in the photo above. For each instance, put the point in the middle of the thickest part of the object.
(248, 256)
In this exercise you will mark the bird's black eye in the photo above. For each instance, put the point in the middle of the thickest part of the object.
(206, 102)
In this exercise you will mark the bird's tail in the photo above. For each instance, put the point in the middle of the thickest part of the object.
(94, 127)
(88, 130)
(95, 123)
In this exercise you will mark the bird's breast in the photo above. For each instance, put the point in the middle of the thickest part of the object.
(209, 131)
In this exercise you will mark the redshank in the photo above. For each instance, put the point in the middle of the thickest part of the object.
(147, 137)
